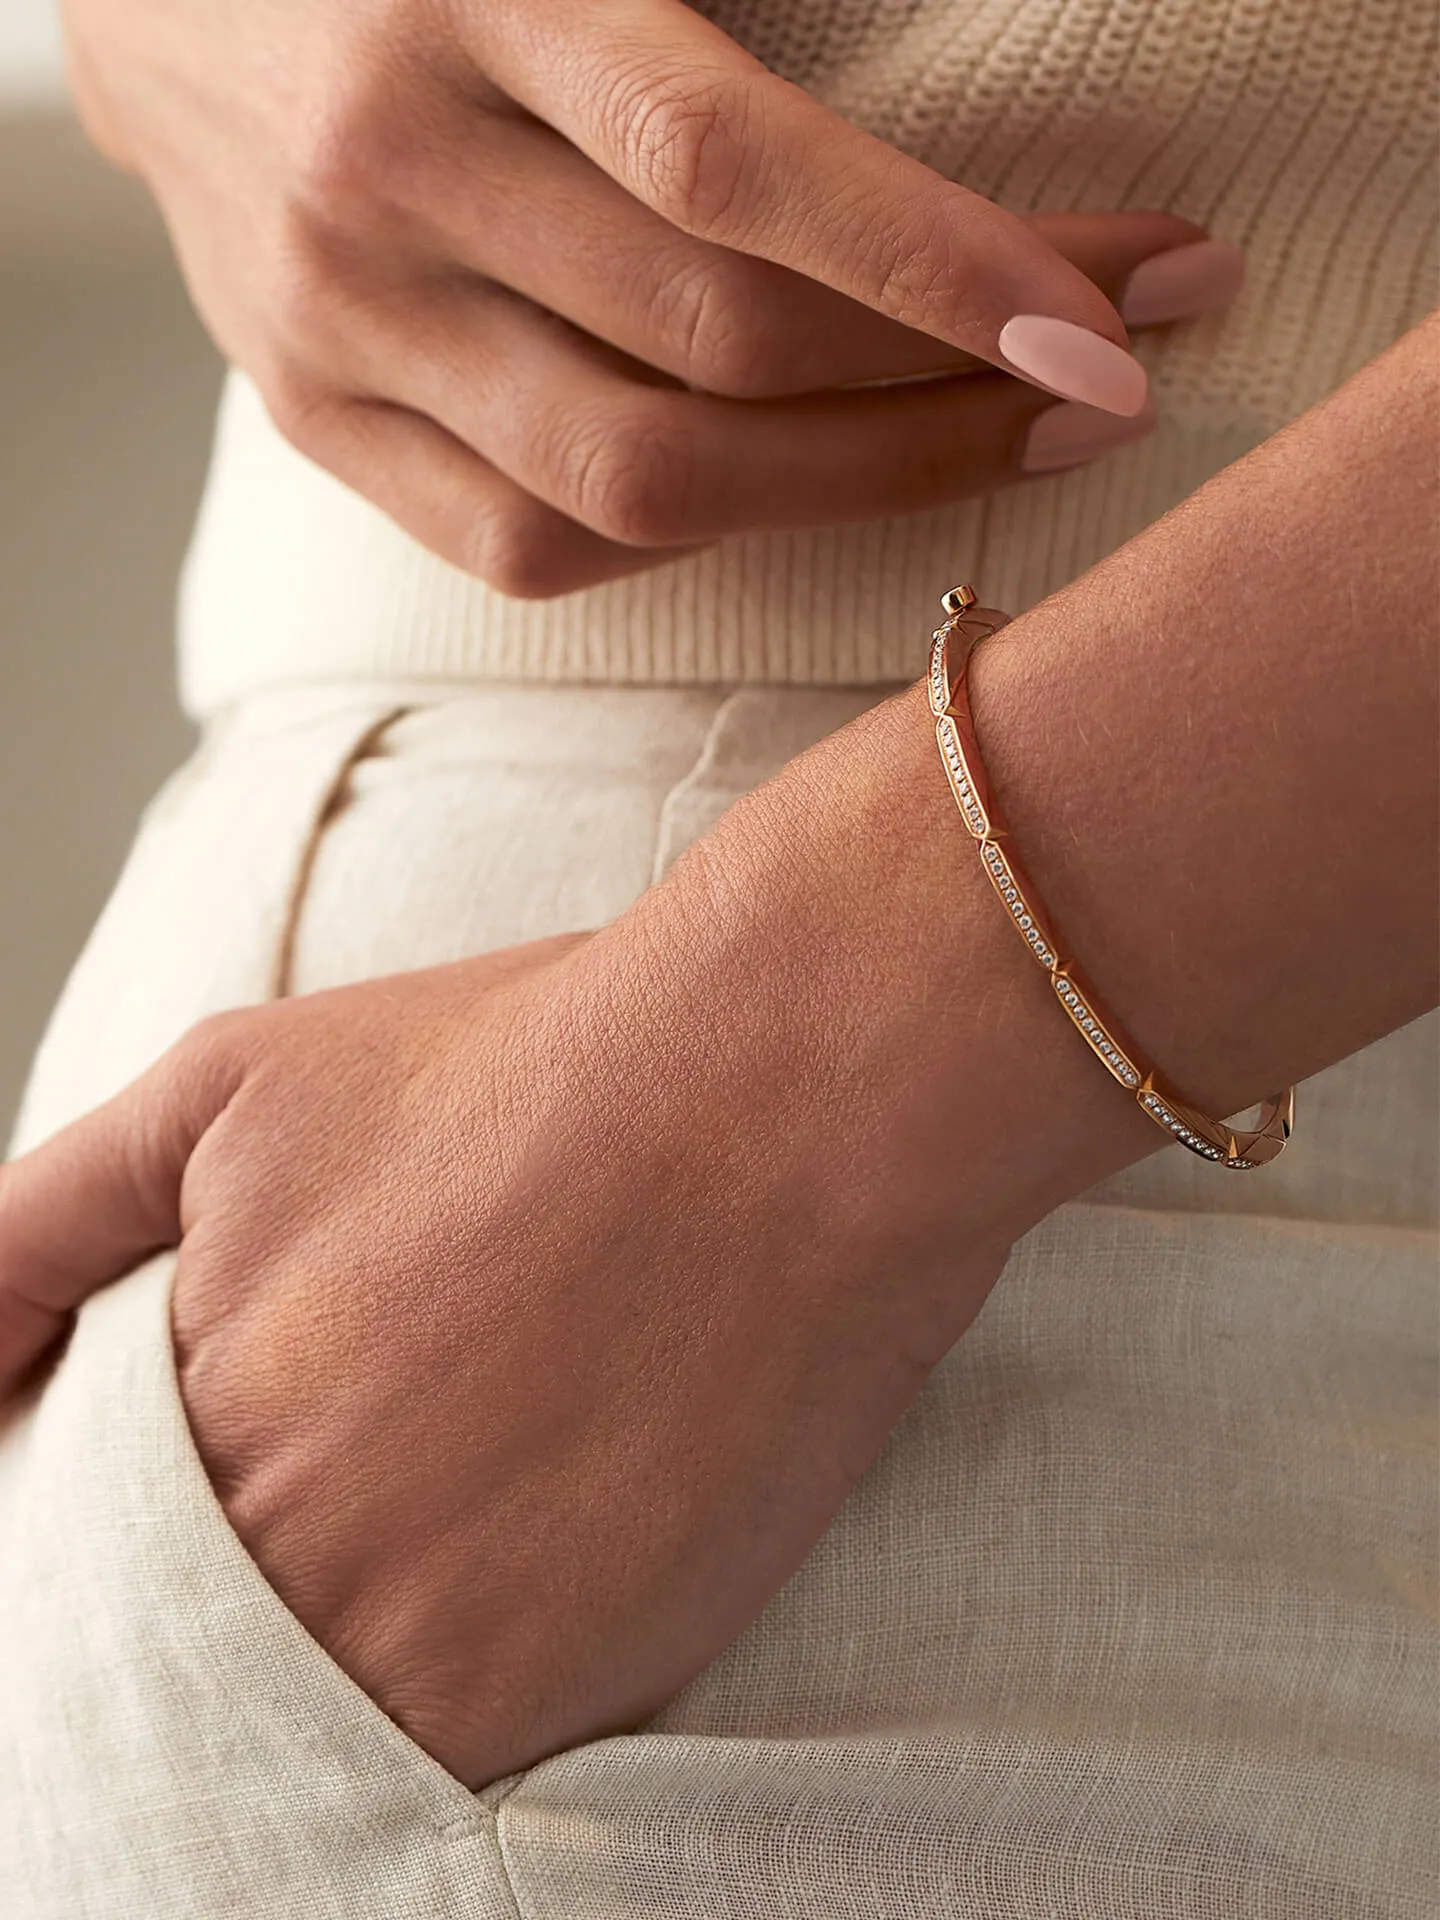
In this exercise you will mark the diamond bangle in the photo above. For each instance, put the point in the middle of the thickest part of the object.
(952, 644)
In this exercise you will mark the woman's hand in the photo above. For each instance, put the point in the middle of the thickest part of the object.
(533, 1315)
(479, 259)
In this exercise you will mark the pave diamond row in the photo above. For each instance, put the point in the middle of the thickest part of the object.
(948, 735)
(1004, 884)
(955, 736)
(1196, 1142)
(939, 683)
(1093, 1029)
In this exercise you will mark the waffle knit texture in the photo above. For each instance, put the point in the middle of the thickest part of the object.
(1301, 130)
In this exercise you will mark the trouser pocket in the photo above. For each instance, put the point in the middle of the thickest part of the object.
(172, 1742)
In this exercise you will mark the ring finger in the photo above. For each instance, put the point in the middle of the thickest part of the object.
(644, 463)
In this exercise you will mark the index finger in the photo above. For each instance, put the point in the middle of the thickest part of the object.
(703, 133)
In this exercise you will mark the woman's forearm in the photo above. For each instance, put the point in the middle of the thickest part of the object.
(1217, 753)
(1220, 754)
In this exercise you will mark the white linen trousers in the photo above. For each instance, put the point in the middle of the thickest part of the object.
(1134, 1618)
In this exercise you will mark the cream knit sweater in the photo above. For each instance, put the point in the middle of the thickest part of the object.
(1303, 130)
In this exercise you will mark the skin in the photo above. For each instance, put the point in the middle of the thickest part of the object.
(658, 1231)
(559, 312)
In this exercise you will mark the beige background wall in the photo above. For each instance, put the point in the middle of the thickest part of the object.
(107, 386)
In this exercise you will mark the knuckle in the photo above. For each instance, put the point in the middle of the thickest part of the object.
(300, 408)
(212, 1045)
(713, 323)
(300, 304)
(519, 551)
(315, 311)
(342, 147)
(197, 1076)
(633, 483)
(688, 147)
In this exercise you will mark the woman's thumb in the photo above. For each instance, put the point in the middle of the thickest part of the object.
(95, 1200)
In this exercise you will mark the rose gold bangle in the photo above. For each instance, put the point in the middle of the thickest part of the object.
(948, 680)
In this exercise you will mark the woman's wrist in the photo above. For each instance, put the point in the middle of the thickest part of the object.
(1021, 1117)
(836, 939)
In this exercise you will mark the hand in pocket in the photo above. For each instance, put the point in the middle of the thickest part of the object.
(533, 1315)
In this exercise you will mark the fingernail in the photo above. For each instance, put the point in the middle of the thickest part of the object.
(1187, 280)
(1073, 362)
(1068, 436)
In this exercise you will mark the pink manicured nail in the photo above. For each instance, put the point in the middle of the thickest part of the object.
(1068, 436)
(1073, 362)
(1187, 280)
